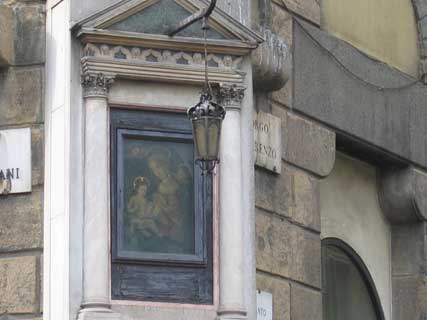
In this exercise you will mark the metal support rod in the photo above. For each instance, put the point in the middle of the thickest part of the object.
(203, 13)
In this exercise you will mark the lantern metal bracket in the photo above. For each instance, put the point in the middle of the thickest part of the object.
(205, 111)
(199, 15)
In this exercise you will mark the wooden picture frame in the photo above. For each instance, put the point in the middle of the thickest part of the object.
(180, 277)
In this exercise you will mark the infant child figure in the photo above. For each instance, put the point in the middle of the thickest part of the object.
(143, 218)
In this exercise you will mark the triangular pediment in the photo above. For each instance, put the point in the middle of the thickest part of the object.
(160, 17)
(156, 18)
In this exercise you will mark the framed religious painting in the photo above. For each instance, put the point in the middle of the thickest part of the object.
(161, 210)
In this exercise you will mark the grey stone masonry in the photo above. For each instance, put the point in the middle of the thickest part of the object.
(420, 7)
(288, 244)
(19, 285)
(286, 250)
(22, 33)
(21, 92)
(359, 111)
(6, 37)
(22, 57)
(306, 144)
(409, 267)
(293, 194)
(306, 303)
(325, 106)
(281, 291)
(309, 9)
(21, 221)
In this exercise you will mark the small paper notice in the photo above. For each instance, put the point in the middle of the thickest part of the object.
(264, 306)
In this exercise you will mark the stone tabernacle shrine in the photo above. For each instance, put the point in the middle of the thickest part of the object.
(213, 160)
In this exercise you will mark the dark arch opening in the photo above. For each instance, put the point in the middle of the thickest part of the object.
(347, 284)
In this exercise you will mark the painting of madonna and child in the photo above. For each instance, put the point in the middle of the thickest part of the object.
(159, 197)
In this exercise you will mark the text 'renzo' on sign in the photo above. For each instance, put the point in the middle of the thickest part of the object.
(15, 161)
(268, 142)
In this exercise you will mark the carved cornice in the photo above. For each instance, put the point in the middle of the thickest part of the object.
(137, 63)
(149, 71)
(231, 96)
(170, 57)
(96, 85)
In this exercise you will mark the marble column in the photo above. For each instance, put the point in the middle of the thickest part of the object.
(232, 304)
(96, 265)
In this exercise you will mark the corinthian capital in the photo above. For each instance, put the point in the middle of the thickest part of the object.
(96, 85)
(231, 96)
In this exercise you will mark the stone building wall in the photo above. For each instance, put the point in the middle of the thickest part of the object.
(22, 56)
(333, 100)
(288, 243)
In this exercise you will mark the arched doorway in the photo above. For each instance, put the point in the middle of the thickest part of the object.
(348, 289)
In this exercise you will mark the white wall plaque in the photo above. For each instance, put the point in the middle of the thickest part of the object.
(268, 141)
(15, 161)
(264, 306)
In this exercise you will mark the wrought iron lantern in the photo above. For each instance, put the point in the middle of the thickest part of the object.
(206, 116)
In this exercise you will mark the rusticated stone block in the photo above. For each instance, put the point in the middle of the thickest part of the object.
(293, 194)
(21, 221)
(29, 34)
(306, 197)
(420, 8)
(37, 154)
(284, 95)
(409, 298)
(264, 241)
(408, 249)
(18, 285)
(281, 292)
(306, 303)
(309, 9)
(273, 192)
(282, 23)
(306, 256)
(6, 35)
(21, 96)
(238, 9)
(287, 250)
(306, 144)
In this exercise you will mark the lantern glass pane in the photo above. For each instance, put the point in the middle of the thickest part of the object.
(214, 132)
(199, 131)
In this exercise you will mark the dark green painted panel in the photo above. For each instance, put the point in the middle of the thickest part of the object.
(158, 19)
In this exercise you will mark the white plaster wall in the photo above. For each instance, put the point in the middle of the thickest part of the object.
(350, 211)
